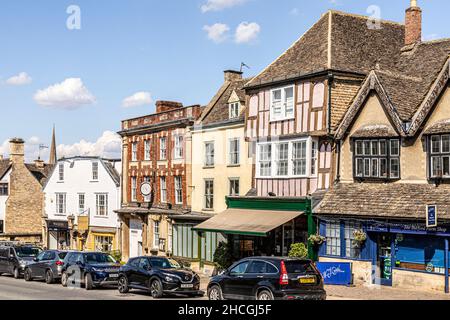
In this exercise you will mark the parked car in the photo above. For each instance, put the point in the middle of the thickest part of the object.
(268, 278)
(159, 276)
(15, 258)
(47, 266)
(91, 269)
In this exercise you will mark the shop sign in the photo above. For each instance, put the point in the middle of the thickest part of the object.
(407, 228)
(336, 273)
(57, 225)
(432, 216)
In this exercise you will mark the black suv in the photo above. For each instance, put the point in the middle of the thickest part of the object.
(268, 278)
(15, 258)
(93, 269)
(159, 276)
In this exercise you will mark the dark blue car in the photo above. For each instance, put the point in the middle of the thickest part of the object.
(91, 269)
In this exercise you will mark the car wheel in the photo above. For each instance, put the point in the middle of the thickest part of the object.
(215, 293)
(16, 273)
(49, 277)
(156, 289)
(123, 285)
(27, 275)
(265, 295)
(88, 284)
(64, 279)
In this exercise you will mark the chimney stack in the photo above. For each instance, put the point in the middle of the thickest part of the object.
(232, 75)
(163, 106)
(17, 150)
(413, 24)
(39, 164)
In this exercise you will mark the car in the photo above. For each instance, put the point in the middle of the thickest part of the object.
(91, 269)
(159, 276)
(268, 278)
(15, 257)
(47, 266)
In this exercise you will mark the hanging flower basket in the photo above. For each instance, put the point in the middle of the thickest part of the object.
(316, 239)
(359, 237)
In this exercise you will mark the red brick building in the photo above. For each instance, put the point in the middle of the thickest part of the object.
(155, 150)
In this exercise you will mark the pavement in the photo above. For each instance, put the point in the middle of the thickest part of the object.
(12, 289)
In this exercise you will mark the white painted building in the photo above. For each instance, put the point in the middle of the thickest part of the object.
(5, 170)
(81, 196)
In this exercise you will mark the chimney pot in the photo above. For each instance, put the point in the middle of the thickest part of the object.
(232, 75)
(413, 24)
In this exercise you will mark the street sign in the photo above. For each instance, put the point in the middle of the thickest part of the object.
(432, 216)
(146, 189)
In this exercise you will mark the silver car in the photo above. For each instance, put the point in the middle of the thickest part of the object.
(46, 266)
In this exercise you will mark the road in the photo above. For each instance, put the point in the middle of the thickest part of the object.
(12, 289)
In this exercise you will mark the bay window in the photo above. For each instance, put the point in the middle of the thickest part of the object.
(440, 156)
(282, 104)
(377, 158)
(292, 158)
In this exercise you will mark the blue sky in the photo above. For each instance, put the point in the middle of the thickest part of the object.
(155, 47)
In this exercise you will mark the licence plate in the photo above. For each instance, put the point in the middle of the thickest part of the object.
(187, 286)
(307, 280)
(114, 275)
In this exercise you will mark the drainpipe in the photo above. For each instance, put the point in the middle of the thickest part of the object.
(338, 167)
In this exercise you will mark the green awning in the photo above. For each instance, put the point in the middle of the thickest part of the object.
(247, 222)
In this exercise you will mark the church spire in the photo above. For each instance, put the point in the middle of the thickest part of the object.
(53, 158)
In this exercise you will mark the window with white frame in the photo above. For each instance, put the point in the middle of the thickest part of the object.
(163, 186)
(294, 158)
(209, 154)
(133, 189)
(147, 198)
(209, 194)
(377, 158)
(234, 187)
(163, 148)
(178, 190)
(440, 156)
(81, 202)
(60, 203)
(4, 189)
(102, 204)
(147, 150)
(134, 151)
(178, 147)
(234, 110)
(156, 234)
(333, 236)
(95, 171)
(234, 155)
(61, 171)
(352, 247)
(282, 104)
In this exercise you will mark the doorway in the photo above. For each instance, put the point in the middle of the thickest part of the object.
(383, 263)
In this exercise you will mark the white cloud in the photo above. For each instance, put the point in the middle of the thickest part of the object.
(69, 94)
(247, 32)
(217, 32)
(109, 145)
(19, 80)
(137, 99)
(218, 5)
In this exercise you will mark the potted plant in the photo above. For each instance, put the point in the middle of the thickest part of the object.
(316, 239)
(298, 250)
(359, 237)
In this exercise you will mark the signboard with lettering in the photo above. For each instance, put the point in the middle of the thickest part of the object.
(432, 216)
(336, 273)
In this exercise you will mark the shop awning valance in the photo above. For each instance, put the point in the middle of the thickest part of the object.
(248, 222)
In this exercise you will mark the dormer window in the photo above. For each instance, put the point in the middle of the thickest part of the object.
(440, 156)
(377, 158)
(234, 110)
(282, 104)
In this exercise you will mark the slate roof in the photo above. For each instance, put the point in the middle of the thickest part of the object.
(385, 200)
(338, 41)
(4, 167)
(217, 111)
(112, 172)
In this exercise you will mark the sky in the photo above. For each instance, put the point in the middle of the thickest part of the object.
(85, 65)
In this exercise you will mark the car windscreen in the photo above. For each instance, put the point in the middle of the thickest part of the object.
(298, 266)
(165, 264)
(93, 258)
(27, 252)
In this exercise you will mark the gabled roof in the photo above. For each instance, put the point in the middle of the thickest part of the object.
(5, 164)
(41, 174)
(217, 110)
(338, 41)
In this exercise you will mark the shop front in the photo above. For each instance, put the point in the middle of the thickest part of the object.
(400, 253)
(262, 226)
(58, 235)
